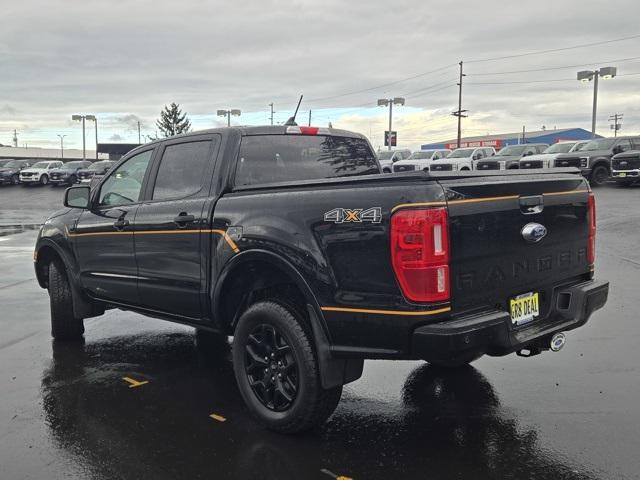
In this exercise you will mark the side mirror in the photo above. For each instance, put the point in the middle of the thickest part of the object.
(77, 197)
(476, 156)
(617, 149)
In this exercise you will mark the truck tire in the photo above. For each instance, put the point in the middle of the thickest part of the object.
(15, 180)
(599, 176)
(277, 370)
(64, 325)
(44, 179)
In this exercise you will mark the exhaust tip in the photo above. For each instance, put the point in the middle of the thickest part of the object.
(557, 342)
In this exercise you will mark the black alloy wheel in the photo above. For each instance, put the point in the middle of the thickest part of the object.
(271, 368)
(14, 179)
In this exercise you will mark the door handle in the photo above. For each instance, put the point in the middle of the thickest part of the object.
(182, 219)
(120, 223)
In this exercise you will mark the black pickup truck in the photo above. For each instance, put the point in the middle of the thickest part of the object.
(292, 241)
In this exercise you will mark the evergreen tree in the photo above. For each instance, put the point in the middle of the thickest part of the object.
(172, 121)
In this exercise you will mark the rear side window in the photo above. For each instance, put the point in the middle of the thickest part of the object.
(282, 158)
(182, 169)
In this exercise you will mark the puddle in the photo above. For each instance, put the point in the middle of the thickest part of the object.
(6, 230)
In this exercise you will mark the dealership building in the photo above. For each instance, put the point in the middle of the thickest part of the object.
(504, 139)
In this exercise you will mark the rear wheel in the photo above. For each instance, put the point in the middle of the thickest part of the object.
(64, 325)
(599, 175)
(277, 371)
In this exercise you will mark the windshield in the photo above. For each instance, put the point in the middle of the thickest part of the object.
(385, 155)
(600, 144)
(72, 165)
(422, 154)
(41, 165)
(515, 150)
(461, 153)
(12, 164)
(559, 148)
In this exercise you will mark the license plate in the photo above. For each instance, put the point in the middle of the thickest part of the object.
(524, 308)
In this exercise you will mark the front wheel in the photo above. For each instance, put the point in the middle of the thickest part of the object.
(64, 324)
(44, 180)
(599, 175)
(15, 180)
(277, 371)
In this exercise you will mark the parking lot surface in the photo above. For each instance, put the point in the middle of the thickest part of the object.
(140, 398)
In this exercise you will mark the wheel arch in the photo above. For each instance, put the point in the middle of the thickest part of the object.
(260, 270)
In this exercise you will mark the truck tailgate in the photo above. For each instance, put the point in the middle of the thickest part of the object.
(492, 261)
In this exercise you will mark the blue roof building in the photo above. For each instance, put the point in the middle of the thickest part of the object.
(504, 139)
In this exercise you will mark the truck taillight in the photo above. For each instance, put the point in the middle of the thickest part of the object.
(420, 253)
(591, 214)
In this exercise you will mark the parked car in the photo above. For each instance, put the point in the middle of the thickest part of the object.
(67, 174)
(594, 159)
(508, 158)
(547, 157)
(387, 158)
(420, 160)
(290, 240)
(10, 171)
(625, 168)
(461, 159)
(39, 172)
(96, 169)
(5, 161)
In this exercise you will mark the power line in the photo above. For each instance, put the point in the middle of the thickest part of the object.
(541, 69)
(542, 81)
(382, 85)
(550, 50)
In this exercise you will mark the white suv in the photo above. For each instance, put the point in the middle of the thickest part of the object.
(388, 157)
(463, 159)
(39, 172)
(420, 160)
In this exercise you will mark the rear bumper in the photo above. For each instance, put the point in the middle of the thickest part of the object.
(492, 332)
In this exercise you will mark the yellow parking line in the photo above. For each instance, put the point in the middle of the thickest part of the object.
(134, 383)
(219, 418)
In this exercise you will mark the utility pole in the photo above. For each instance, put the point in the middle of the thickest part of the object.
(15, 138)
(617, 123)
(523, 136)
(95, 119)
(272, 112)
(309, 117)
(139, 133)
(62, 146)
(459, 113)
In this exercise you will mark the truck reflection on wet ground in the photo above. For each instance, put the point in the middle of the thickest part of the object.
(447, 422)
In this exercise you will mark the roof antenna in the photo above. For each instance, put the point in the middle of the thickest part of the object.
(292, 120)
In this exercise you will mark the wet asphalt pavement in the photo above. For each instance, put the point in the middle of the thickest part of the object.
(66, 412)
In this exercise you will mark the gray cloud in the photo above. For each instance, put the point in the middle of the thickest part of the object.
(134, 57)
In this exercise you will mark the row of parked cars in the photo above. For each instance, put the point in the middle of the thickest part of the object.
(600, 159)
(55, 172)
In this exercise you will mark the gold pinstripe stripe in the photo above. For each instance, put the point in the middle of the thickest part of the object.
(477, 200)
(386, 312)
(224, 234)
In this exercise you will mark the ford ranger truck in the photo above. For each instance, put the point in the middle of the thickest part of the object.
(292, 241)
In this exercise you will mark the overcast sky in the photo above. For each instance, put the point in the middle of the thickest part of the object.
(123, 60)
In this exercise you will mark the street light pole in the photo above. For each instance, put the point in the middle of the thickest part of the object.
(227, 113)
(82, 118)
(62, 146)
(589, 75)
(383, 102)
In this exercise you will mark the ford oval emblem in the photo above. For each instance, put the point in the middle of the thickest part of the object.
(533, 232)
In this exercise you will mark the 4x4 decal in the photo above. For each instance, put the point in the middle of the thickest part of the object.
(357, 215)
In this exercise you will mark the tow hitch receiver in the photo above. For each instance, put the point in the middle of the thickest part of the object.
(555, 345)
